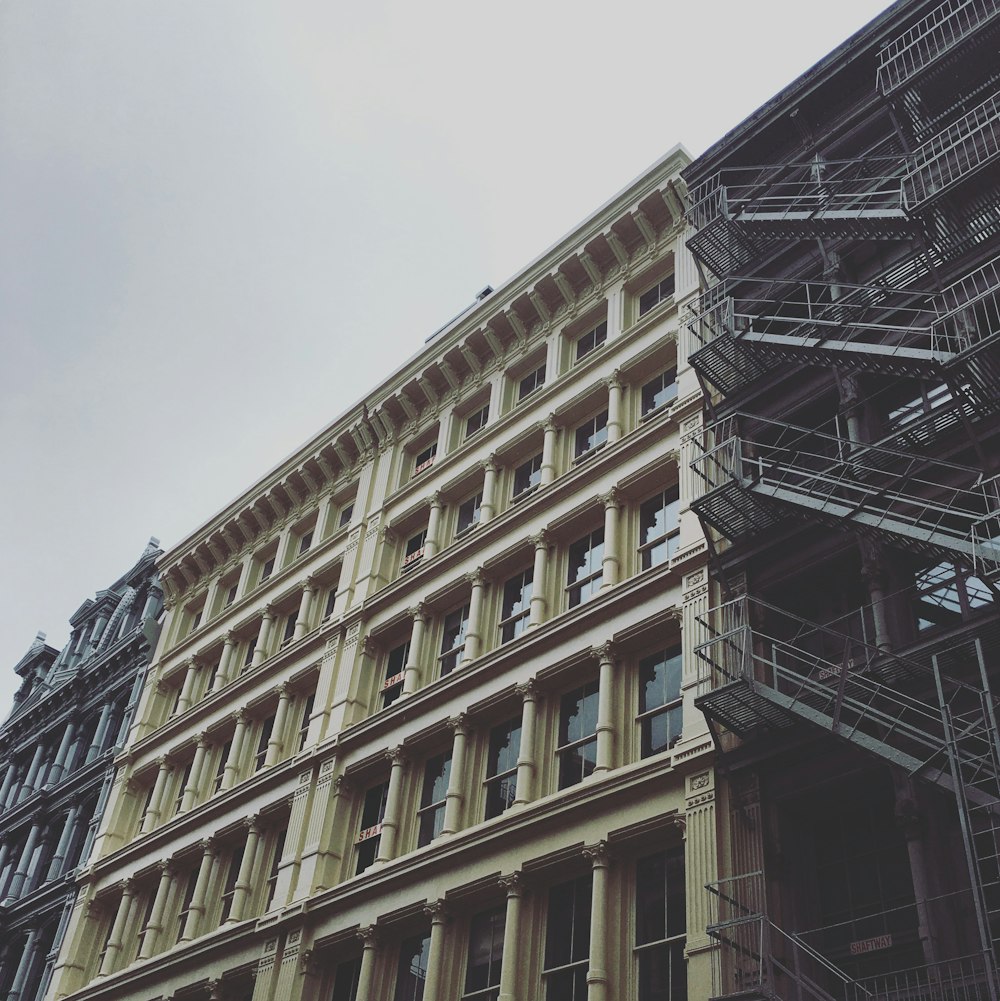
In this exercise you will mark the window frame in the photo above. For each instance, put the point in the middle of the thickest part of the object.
(497, 779)
(581, 589)
(672, 942)
(654, 407)
(537, 382)
(494, 921)
(424, 459)
(413, 551)
(587, 343)
(584, 435)
(476, 500)
(669, 497)
(476, 421)
(660, 291)
(581, 913)
(367, 839)
(512, 624)
(534, 478)
(390, 693)
(455, 650)
(675, 705)
(436, 767)
(580, 694)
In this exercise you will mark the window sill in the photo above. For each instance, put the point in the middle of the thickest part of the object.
(527, 492)
(467, 531)
(584, 456)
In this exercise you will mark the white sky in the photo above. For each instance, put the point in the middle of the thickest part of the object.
(221, 222)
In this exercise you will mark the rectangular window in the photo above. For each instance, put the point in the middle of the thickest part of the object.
(453, 639)
(196, 619)
(305, 542)
(305, 720)
(372, 812)
(266, 569)
(248, 652)
(411, 974)
(289, 633)
(272, 875)
(425, 459)
(591, 340)
(346, 979)
(266, 728)
(659, 528)
(501, 767)
(577, 749)
(591, 434)
(475, 423)
(331, 598)
(567, 941)
(220, 768)
(414, 551)
(345, 516)
(433, 797)
(482, 969)
(181, 786)
(659, 926)
(469, 513)
(527, 476)
(660, 292)
(395, 673)
(660, 712)
(659, 391)
(229, 889)
(231, 594)
(531, 382)
(516, 607)
(586, 567)
(185, 908)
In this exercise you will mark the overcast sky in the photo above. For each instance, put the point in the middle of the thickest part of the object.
(222, 220)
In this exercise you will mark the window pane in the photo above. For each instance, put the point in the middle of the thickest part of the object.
(586, 556)
(578, 714)
(567, 936)
(663, 973)
(505, 746)
(659, 679)
(412, 972)
(345, 984)
(436, 775)
(485, 951)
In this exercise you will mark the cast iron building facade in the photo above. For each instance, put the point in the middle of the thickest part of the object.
(421, 722)
(70, 718)
(850, 232)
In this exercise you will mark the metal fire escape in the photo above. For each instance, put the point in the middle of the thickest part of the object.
(921, 190)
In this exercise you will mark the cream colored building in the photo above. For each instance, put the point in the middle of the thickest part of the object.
(421, 718)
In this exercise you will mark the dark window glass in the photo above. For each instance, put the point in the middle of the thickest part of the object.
(469, 513)
(424, 459)
(272, 876)
(660, 292)
(591, 340)
(586, 567)
(660, 927)
(412, 972)
(345, 980)
(527, 476)
(345, 515)
(220, 768)
(516, 605)
(232, 875)
(267, 569)
(567, 941)
(453, 639)
(196, 621)
(433, 797)
(501, 767)
(231, 594)
(531, 382)
(474, 423)
(189, 888)
(659, 528)
(305, 542)
(331, 597)
(659, 391)
(267, 728)
(289, 628)
(395, 668)
(248, 653)
(482, 970)
(305, 719)
(372, 812)
(590, 434)
(414, 551)
(577, 748)
(660, 711)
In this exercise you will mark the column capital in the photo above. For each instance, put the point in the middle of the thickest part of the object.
(203, 739)
(283, 691)
(311, 583)
(477, 577)
(343, 786)
(460, 724)
(489, 464)
(368, 935)
(127, 886)
(605, 653)
(437, 911)
(209, 846)
(614, 380)
(435, 499)
(270, 612)
(164, 761)
(240, 716)
(419, 611)
(397, 755)
(230, 638)
(368, 647)
(613, 498)
(513, 884)
(541, 540)
(214, 990)
(166, 867)
(551, 423)
(598, 855)
(528, 689)
(252, 823)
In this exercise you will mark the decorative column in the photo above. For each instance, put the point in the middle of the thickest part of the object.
(366, 977)
(699, 828)
(276, 742)
(9, 775)
(24, 965)
(5, 838)
(597, 974)
(187, 689)
(263, 636)
(152, 600)
(551, 429)
(58, 769)
(614, 406)
(65, 840)
(438, 914)
(455, 796)
(155, 925)
(432, 541)
(611, 567)
(232, 769)
(605, 709)
(155, 801)
(196, 909)
(31, 778)
(101, 731)
(195, 775)
(411, 680)
(473, 631)
(539, 586)
(244, 879)
(488, 506)
(393, 801)
(225, 662)
(525, 782)
(303, 620)
(117, 936)
(513, 885)
(24, 861)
